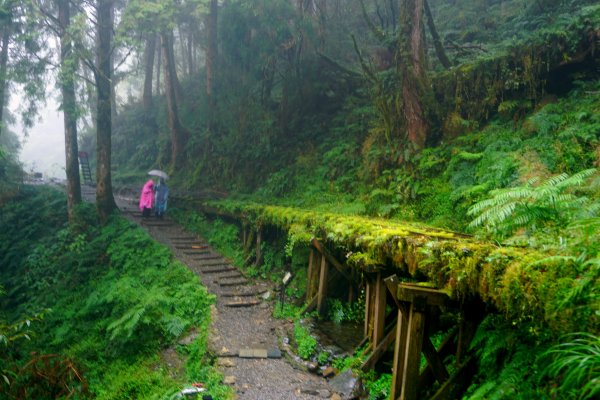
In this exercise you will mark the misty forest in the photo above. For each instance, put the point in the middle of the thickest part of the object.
(367, 199)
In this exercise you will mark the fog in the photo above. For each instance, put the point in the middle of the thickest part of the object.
(43, 145)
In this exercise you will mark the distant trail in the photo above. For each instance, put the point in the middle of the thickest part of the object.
(242, 322)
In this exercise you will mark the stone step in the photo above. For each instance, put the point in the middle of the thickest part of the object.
(174, 238)
(193, 246)
(230, 276)
(260, 353)
(210, 257)
(242, 303)
(214, 263)
(249, 293)
(217, 270)
(236, 282)
(196, 252)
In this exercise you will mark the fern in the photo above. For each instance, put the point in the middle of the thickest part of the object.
(533, 205)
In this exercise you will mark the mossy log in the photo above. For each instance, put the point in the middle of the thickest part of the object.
(522, 283)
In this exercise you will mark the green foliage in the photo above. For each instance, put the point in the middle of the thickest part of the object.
(306, 344)
(377, 387)
(551, 203)
(575, 363)
(117, 296)
(339, 312)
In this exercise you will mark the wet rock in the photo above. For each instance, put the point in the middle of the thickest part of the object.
(329, 372)
(226, 362)
(311, 391)
(346, 384)
(335, 396)
(229, 380)
(324, 393)
(312, 366)
(189, 339)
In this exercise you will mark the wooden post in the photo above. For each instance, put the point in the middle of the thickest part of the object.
(322, 294)
(368, 306)
(379, 311)
(412, 358)
(399, 352)
(309, 273)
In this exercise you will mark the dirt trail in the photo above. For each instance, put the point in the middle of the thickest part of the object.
(242, 319)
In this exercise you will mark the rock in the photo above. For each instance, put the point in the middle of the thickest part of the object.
(229, 380)
(329, 372)
(335, 396)
(324, 393)
(266, 295)
(346, 384)
(311, 366)
(226, 362)
(309, 391)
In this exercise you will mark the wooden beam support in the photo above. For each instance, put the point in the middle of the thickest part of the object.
(322, 293)
(399, 354)
(409, 293)
(446, 348)
(379, 310)
(311, 305)
(459, 381)
(412, 358)
(379, 350)
(435, 362)
(339, 266)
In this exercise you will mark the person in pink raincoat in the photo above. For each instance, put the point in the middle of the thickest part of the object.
(147, 198)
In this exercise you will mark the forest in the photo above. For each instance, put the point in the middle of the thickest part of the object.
(453, 143)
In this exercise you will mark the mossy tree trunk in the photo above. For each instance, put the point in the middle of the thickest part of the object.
(69, 107)
(105, 202)
(179, 134)
(411, 64)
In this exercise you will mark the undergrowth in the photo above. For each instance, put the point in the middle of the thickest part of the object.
(115, 298)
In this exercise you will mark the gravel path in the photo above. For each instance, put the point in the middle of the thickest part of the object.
(236, 328)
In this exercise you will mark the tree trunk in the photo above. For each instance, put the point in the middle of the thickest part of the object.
(105, 202)
(69, 106)
(437, 43)
(179, 135)
(158, 68)
(149, 70)
(211, 59)
(411, 66)
(3, 70)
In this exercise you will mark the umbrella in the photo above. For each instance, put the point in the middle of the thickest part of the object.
(159, 173)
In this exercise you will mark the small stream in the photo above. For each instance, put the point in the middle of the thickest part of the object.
(343, 336)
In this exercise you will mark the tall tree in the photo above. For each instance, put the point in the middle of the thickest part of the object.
(69, 107)
(5, 31)
(148, 69)
(105, 202)
(211, 59)
(179, 134)
(411, 64)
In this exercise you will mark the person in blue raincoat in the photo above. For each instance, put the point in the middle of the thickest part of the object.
(161, 197)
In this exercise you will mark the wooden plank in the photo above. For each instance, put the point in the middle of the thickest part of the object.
(311, 305)
(309, 274)
(368, 306)
(379, 310)
(412, 358)
(392, 282)
(195, 252)
(212, 263)
(322, 293)
(370, 362)
(339, 266)
(243, 294)
(435, 362)
(399, 353)
(433, 297)
(235, 275)
(457, 384)
(209, 256)
(446, 348)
